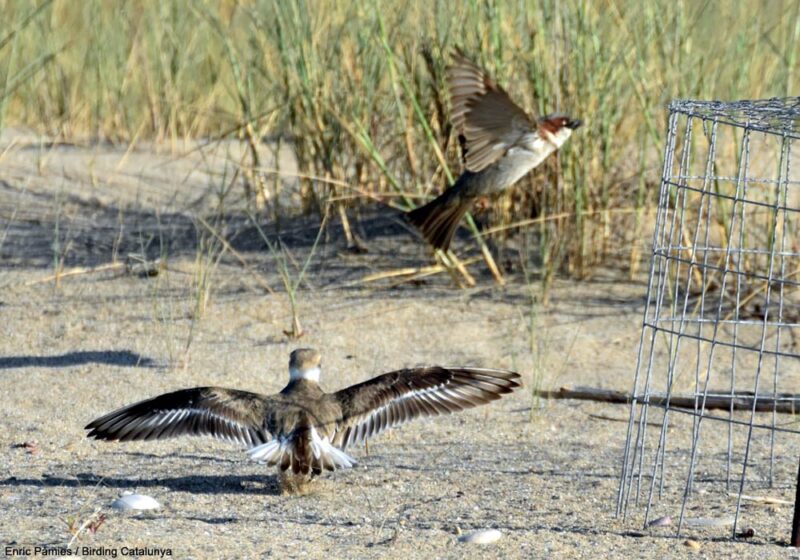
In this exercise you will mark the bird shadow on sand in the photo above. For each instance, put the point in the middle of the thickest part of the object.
(260, 485)
(124, 358)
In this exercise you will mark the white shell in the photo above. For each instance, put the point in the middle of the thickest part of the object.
(661, 522)
(135, 501)
(484, 536)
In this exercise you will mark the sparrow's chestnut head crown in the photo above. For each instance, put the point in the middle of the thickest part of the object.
(557, 127)
(556, 121)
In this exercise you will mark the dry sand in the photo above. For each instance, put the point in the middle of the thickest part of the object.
(546, 478)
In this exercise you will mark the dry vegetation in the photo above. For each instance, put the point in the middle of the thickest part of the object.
(355, 90)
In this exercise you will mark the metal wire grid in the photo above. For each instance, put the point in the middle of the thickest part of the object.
(722, 299)
(779, 115)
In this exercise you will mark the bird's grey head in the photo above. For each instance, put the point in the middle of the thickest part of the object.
(304, 363)
(558, 127)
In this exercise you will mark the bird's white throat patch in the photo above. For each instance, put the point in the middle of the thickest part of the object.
(309, 374)
(558, 138)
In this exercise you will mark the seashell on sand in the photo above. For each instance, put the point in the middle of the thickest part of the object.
(135, 502)
(484, 536)
(661, 522)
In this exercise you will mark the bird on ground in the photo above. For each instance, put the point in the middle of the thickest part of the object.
(303, 430)
(500, 144)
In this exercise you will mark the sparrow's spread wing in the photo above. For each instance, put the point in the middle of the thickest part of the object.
(227, 414)
(488, 122)
(397, 397)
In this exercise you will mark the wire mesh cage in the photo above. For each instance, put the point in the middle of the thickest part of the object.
(718, 367)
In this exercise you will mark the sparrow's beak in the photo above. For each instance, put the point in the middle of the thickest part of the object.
(574, 123)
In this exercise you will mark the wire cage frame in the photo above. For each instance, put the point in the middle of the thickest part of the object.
(718, 364)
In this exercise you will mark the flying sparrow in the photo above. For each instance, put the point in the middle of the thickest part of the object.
(500, 144)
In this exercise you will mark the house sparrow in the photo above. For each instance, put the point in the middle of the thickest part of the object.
(500, 144)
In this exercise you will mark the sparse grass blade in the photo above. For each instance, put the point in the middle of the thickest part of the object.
(291, 280)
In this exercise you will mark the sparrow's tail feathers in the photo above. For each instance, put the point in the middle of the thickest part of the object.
(438, 220)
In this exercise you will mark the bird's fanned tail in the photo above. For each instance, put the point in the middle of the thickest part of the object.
(302, 455)
(438, 220)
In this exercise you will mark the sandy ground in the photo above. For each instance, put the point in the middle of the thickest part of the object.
(544, 473)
